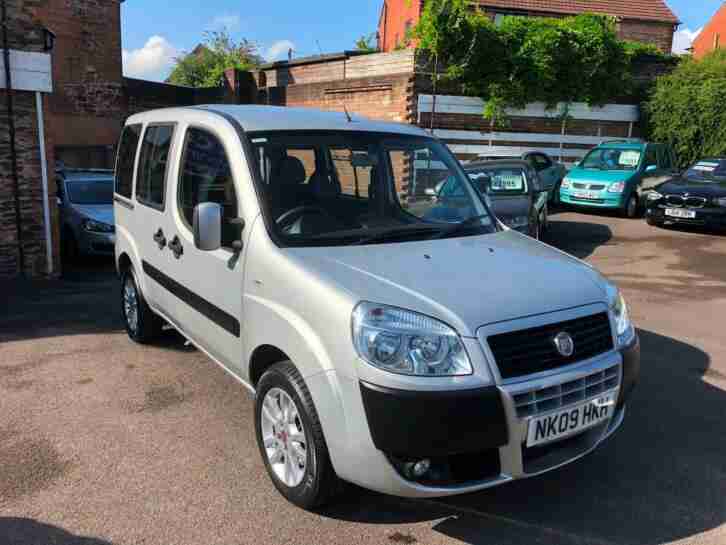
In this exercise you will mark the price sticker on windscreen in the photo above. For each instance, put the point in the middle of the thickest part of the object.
(507, 182)
(629, 158)
(706, 167)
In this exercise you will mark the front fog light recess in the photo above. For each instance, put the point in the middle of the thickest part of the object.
(405, 342)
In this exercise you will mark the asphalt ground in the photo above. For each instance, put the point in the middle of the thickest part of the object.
(106, 442)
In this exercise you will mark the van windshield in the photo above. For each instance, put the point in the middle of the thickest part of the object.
(324, 188)
(612, 159)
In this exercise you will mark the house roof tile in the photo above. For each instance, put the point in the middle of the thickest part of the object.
(647, 10)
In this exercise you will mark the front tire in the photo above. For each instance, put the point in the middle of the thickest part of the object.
(631, 207)
(653, 222)
(291, 440)
(142, 325)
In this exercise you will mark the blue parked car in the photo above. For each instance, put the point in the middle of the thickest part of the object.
(618, 175)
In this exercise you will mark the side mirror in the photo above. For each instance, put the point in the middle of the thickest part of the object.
(208, 226)
(651, 168)
(59, 201)
(430, 192)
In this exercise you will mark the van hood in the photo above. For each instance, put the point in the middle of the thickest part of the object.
(594, 176)
(97, 212)
(467, 282)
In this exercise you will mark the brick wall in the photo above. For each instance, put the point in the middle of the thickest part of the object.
(384, 98)
(658, 34)
(396, 17)
(31, 193)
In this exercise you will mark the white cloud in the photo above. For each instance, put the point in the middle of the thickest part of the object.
(153, 61)
(228, 21)
(278, 50)
(683, 39)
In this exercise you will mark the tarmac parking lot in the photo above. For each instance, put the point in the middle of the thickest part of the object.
(106, 442)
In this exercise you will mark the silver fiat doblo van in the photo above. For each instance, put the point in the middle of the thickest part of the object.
(405, 342)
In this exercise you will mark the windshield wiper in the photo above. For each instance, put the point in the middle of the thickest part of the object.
(397, 234)
(463, 226)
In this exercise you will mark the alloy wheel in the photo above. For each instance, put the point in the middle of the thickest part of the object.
(283, 437)
(131, 305)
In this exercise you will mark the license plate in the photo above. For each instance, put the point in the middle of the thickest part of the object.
(680, 213)
(590, 195)
(567, 422)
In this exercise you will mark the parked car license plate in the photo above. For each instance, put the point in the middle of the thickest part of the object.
(680, 213)
(591, 195)
(561, 424)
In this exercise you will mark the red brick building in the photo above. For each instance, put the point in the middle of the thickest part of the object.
(649, 21)
(713, 35)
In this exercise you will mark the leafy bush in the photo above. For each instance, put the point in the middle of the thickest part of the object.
(205, 66)
(522, 60)
(686, 108)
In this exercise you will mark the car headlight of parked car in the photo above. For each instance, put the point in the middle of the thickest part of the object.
(516, 222)
(617, 187)
(720, 202)
(94, 226)
(566, 183)
(405, 342)
(654, 196)
(624, 329)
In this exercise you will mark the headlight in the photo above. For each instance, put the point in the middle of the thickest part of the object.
(516, 222)
(97, 227)
(405, 342)
(566, 183)
(617, 187)
(655, 196)
(624, 329)
(720, 202)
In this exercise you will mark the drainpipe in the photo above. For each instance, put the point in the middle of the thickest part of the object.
(11, 131)
(44, 176)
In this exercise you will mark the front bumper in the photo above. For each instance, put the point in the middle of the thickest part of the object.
(710, 217)
(478, 437)
(604, 199)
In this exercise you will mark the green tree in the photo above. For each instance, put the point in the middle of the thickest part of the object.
(522, 60)
(686, 108)
(367, 43)
(205, 66)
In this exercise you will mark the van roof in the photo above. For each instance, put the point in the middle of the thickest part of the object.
(277, 118)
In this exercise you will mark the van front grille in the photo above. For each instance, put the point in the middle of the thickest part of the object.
(561, 396)
(529, 351)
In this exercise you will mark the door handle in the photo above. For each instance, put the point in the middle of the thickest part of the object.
(160, 239)
(176, 247)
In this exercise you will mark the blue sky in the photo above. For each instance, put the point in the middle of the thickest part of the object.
(156, 32)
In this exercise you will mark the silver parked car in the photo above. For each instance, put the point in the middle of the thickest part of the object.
(410, 346)
(85, 202)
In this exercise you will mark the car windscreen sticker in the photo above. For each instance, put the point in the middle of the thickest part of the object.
(629, 158)
(507, 182)
(705, 167)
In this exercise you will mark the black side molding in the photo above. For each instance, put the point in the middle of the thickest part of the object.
(223, 319)
(123, 203)
(417, 424)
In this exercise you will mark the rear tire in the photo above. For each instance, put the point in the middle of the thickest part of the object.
(142, 324)
(310, 481)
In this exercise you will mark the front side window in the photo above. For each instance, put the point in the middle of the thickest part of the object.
(90, 192)
(206, 176)
(128, 145)
(153, 162)
(612, 159)
(366, 188)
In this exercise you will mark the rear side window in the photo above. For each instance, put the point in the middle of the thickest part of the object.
(206, 177)
(128, 145)
(153, 162)
(651, 157)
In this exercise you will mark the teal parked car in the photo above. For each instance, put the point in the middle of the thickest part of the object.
(618, 175)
